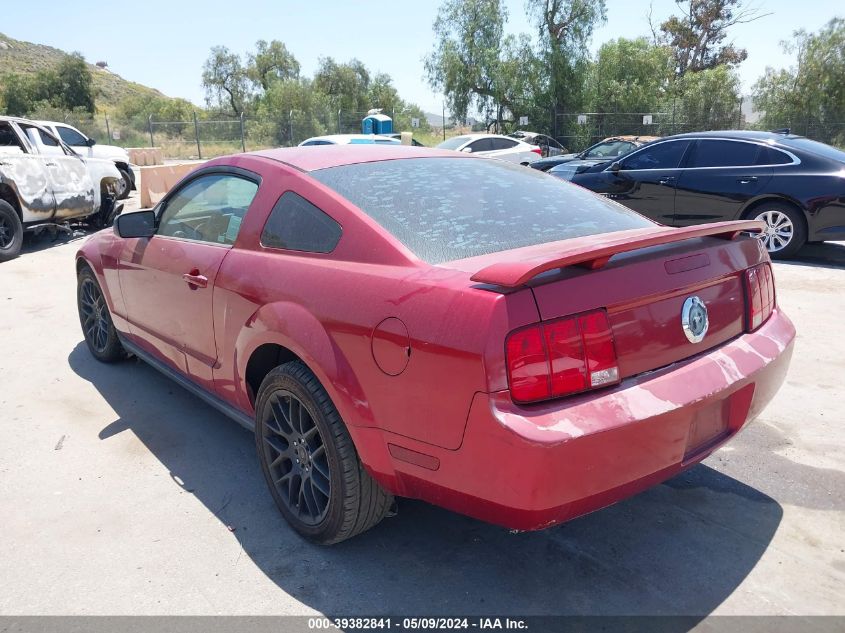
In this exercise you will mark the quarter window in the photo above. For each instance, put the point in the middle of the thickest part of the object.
(297, 225)
(724, 154)
(661, 156)
(208, 209)
(770, 156)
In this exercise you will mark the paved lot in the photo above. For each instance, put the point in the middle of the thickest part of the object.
(121, 493)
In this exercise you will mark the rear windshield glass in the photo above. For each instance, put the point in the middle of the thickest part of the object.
(444, 209)
(815, 147)
(453, 143)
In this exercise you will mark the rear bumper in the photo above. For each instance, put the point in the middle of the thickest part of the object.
(532, 467)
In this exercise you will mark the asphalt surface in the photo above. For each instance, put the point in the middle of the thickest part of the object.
(120, 493)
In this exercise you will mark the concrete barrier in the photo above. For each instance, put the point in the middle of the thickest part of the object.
(145, 156)
(157, 180)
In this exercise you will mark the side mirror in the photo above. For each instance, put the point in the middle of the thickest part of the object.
(90, 142)
(135, 224)
(615, 166)
(468, 150)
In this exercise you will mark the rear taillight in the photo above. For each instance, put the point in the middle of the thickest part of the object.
(537, 151)
(759, 295)
(561, 357)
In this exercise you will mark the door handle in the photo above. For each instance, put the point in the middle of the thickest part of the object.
(194, 278)
(745, 181)
(667, 180)
(52, 164)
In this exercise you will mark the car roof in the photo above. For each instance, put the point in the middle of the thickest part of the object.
(324, 156)
(755, 135)
(345, 138)
(632, 138)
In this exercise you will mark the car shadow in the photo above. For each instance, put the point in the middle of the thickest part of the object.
(678, 549)
(51, 237)
(824, 254)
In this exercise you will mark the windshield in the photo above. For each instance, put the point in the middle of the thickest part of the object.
(444, 209)
(453, 143)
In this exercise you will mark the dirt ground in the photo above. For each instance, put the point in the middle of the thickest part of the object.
(121, 493)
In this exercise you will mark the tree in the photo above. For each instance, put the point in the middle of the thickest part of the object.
(271, 62)
(346, 84)
(565, 28)
(628, 76)
(697, 36)
(707, 99)
(813, 92)
(225, 81)
(466, 60)
(73, 84)
(68, 86)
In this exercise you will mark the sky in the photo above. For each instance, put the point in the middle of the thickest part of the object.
(163, 44)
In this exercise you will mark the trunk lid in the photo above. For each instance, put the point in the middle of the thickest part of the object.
(642, 279)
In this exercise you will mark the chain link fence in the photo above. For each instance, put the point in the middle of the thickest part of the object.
(201, 137)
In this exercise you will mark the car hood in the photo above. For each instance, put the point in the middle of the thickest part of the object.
(110, 152)
(568, 170)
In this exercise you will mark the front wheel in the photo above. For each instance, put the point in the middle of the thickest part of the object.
(11, 232)
(124, 187)
(309, 461)
(785, 231)
(95, 318)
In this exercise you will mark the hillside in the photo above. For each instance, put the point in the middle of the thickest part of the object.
(21, 57)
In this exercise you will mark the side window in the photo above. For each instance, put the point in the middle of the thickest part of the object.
(71, 137)
(297, 225)
(481, 145)
(661, 156)
(48, 140)
(9, 141)
(502, 143)
(605, 150)
(717, 153)
(771, 156)
(36, 134)
(208, 209)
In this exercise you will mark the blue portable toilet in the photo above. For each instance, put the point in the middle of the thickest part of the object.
(376, 123)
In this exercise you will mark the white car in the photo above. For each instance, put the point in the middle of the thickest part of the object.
(43, 182)
(494, 146)
(350, 139)
(85, 146)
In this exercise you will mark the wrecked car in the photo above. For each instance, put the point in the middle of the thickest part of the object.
(44, 183)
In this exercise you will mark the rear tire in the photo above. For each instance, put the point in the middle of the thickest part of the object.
(11, 232)
(786, 228)
(309, 462)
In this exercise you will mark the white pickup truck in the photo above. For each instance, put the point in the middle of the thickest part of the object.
(88, 147)
(43, 182)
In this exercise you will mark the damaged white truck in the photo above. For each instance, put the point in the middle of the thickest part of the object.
(45, 184)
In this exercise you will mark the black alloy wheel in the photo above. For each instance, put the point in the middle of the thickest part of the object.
(95, 319)
(295, 455)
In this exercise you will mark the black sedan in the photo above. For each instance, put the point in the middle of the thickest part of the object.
(795, 185)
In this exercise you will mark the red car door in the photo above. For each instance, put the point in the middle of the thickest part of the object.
(167, 280)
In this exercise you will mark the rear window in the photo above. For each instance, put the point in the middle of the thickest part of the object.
(444, 209)
(453, 143)
(815, 147)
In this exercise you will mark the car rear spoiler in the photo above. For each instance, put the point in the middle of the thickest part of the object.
(523, 264)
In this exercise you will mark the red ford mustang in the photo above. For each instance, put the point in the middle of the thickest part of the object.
(418, 323)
